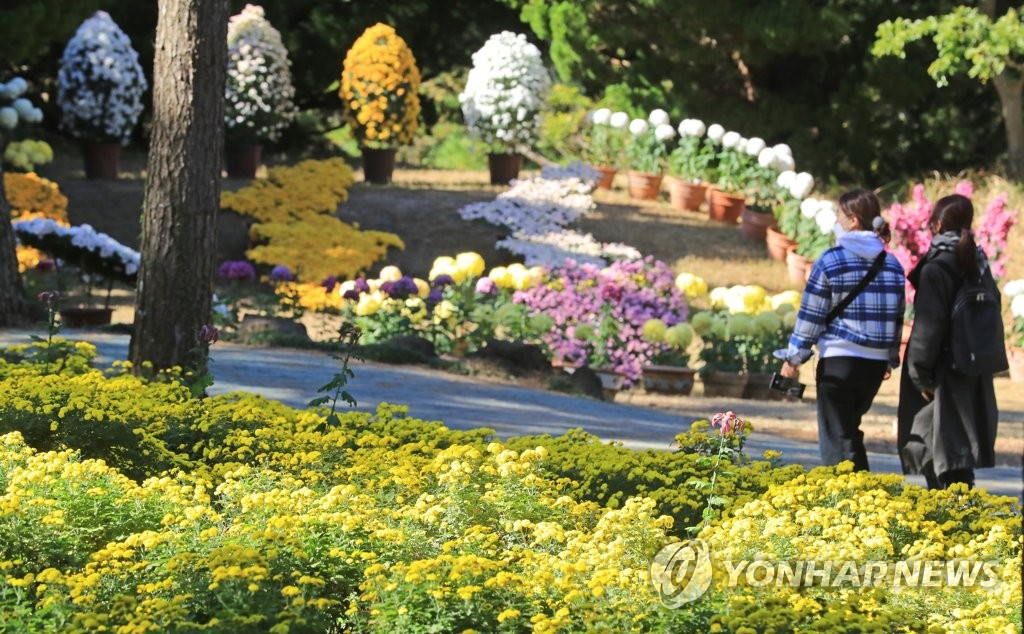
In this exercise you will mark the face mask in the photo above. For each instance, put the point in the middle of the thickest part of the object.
(838, 230)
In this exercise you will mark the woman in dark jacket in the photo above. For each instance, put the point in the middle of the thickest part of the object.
(947, 420)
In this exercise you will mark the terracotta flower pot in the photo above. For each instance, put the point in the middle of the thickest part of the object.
(241, 161)
(378, 165)
(668, 379)
(686, 196)
(777, 243)
(754, 224)
(643, 185)
(85, 317)
(797, 265)
(607, 177)
(723, 207)
(504, 168)
(101, 160)
(730, 384)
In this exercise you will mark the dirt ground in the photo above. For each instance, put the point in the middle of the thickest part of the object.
(421, 206)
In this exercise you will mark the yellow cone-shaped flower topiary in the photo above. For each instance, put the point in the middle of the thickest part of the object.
(380, 87)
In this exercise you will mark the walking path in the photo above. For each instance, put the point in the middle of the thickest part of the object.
(293, 376)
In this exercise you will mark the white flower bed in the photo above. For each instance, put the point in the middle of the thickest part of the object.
(82, 237)
(537, 212)
(100, 83)
(505, 91)
(258, 91)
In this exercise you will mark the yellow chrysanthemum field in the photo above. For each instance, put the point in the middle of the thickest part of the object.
(128, 505)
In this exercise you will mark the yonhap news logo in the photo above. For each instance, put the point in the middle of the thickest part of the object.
(682, 572)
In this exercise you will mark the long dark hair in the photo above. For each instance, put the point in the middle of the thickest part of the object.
(863, 205)
(956, 213)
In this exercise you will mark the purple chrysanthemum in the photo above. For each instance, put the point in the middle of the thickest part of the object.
(281, 273)
(239, 270)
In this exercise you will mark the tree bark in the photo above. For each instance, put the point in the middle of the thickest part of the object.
(1010, 89)
(13, 311)
(183, 185)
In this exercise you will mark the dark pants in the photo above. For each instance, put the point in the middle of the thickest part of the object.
(846, 388)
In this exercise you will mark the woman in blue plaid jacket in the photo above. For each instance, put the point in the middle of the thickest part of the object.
(859, 346)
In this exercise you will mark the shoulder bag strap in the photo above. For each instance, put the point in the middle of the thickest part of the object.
(876, 266)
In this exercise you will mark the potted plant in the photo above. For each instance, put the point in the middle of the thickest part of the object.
(732, 166)
(811, 229)
(98, 258)
(669, 370)
(763, 193)
(646, 153)
(793, 189)
(503, 100)
(258, 90)
(380, 89)
(603, 140)
(99, 91)
(1014, 293)
(690, 166)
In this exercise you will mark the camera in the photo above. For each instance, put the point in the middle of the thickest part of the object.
(791, 387)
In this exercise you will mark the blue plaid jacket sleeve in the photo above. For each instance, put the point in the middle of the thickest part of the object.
(810, 319)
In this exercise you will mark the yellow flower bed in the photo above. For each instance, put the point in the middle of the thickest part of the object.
(243, 515)
(32, 196)
(294, 208)
(293, 192)
(320, 246)
(380, 86)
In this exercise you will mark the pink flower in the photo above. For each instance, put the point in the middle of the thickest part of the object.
(728, 422)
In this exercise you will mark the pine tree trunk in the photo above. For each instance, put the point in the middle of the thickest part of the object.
(1010, 89)
(183, 184)
(12, 303)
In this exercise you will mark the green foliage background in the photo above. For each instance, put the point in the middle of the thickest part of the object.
(794, 71)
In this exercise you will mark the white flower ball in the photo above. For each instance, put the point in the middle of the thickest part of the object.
(16, 87)
(619, 120)
(809, 207)
(1014, 288)
(638, 127)
(785, 179)
(716, 132)
(664, 132)
(731, 139)
(783, 162)
(802, 186)
(601, 116)
(1017, 306)
(755, 145)
(8, 118)
(826, 218)
(766, 157)
(658, 117)
(783, 149)
(23, 106)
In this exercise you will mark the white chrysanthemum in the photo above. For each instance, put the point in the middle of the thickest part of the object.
(716, 132)
(638, 127)
(826, 217)
(258, 90)
(619, 120)
(783, 162)
(1014, 288)
(766, 157)
(601, 116)
(8, 118)
(755, 145)
(664, 132)
(783, 150)
(658, 117)
(731, 139)
(785, 179)
(692, 127)
(809, 207)
(100, 82)
(505, 91)
(1017, 306)
(802, 186)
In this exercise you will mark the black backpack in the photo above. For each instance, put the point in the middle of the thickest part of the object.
(976, 345)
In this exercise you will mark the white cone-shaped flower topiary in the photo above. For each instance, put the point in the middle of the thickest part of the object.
(100, 83)
(258, 91)
(505, 92)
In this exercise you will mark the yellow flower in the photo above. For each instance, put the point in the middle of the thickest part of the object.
(471, 263)
(390, 274)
